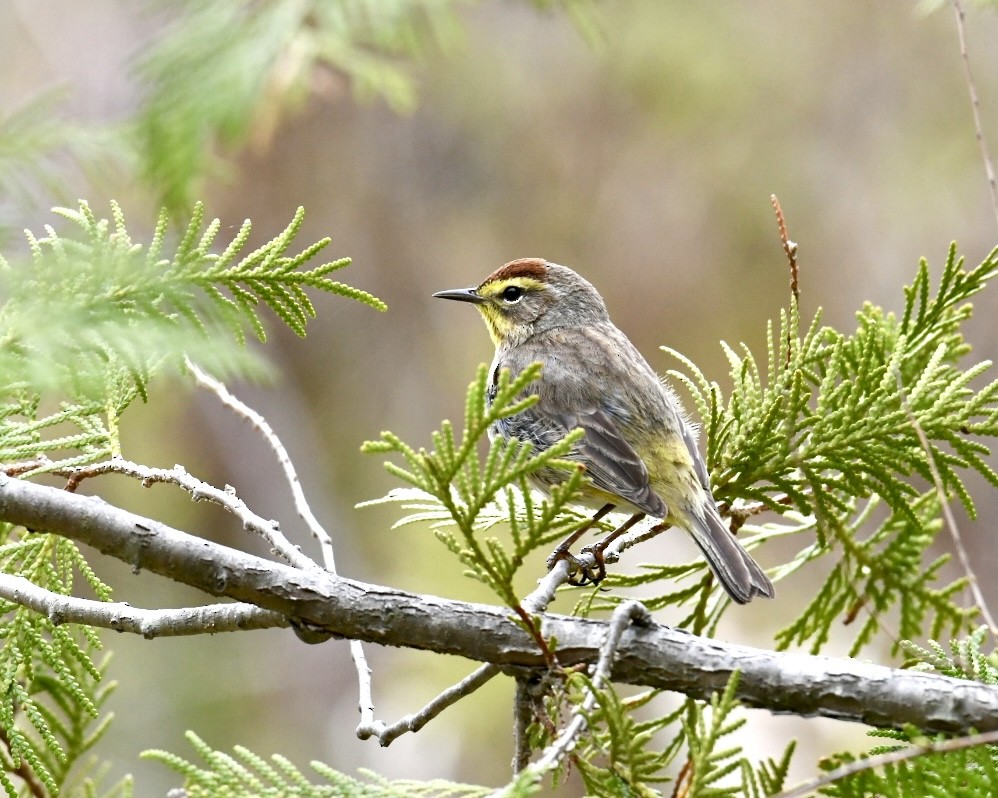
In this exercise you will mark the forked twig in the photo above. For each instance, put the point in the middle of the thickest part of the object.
(260, 424)
(413, 723)
(199, 490)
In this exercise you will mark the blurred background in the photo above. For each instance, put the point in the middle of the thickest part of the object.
(640, 147)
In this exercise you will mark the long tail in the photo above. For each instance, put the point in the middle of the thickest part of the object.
(734, 567)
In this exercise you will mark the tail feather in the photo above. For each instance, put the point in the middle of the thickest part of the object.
(738, 573)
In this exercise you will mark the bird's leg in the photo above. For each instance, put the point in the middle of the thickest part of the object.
(562, 551)
(598, 548)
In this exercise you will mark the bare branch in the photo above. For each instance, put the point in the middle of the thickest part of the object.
(123, 618)
(789, 247)
(652, 655)
(413, 723)
(260, 424)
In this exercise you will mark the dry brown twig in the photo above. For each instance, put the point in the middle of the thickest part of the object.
(790, 247)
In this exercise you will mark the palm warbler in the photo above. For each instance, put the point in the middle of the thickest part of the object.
(639, 450)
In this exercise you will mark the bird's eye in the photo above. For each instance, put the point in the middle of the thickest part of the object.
(512, 293)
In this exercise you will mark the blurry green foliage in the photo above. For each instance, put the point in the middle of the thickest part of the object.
(225, 72)
(39, 143)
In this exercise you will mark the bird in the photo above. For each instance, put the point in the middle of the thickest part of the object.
(639, 449)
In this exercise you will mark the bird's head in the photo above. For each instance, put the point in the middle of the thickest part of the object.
(531, 295)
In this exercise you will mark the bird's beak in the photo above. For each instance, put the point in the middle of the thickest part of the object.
(462, 295)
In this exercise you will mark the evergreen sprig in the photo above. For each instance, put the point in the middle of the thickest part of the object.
(965, 659)
(770, 776)
(244, 774)
(966, 772)
(708, 762)
(457, 487)
(51, 688)
(94, 315)
(84, 325)
(618, 755)
(830, 424)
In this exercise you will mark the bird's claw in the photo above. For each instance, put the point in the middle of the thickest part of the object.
(581, 573)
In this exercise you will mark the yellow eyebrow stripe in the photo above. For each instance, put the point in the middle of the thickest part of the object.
(498, 286)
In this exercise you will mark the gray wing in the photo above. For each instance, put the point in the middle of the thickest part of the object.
(611, 462)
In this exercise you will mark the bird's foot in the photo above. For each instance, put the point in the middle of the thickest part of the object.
(580, 573)
(597, 551)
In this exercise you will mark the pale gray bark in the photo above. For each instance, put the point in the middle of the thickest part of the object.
(649, 655)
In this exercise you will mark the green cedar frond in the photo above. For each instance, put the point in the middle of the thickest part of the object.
(244, 774)
(95, 316)
(618, 754)
(708, 765)
(769, 777)
(964, 660)
(53, 690)
(90, 320)
(879, 571)
(966, 772)
(455, 487)
(826, 427)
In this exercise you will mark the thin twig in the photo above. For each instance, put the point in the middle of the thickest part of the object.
(954, 530)
(260, 424)
(975, 107)
(199, 491)
(121, 617)
(869, 763)
(413, 723)
(368, 726)
(683, 779)
(536, 602)
(789, 247)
